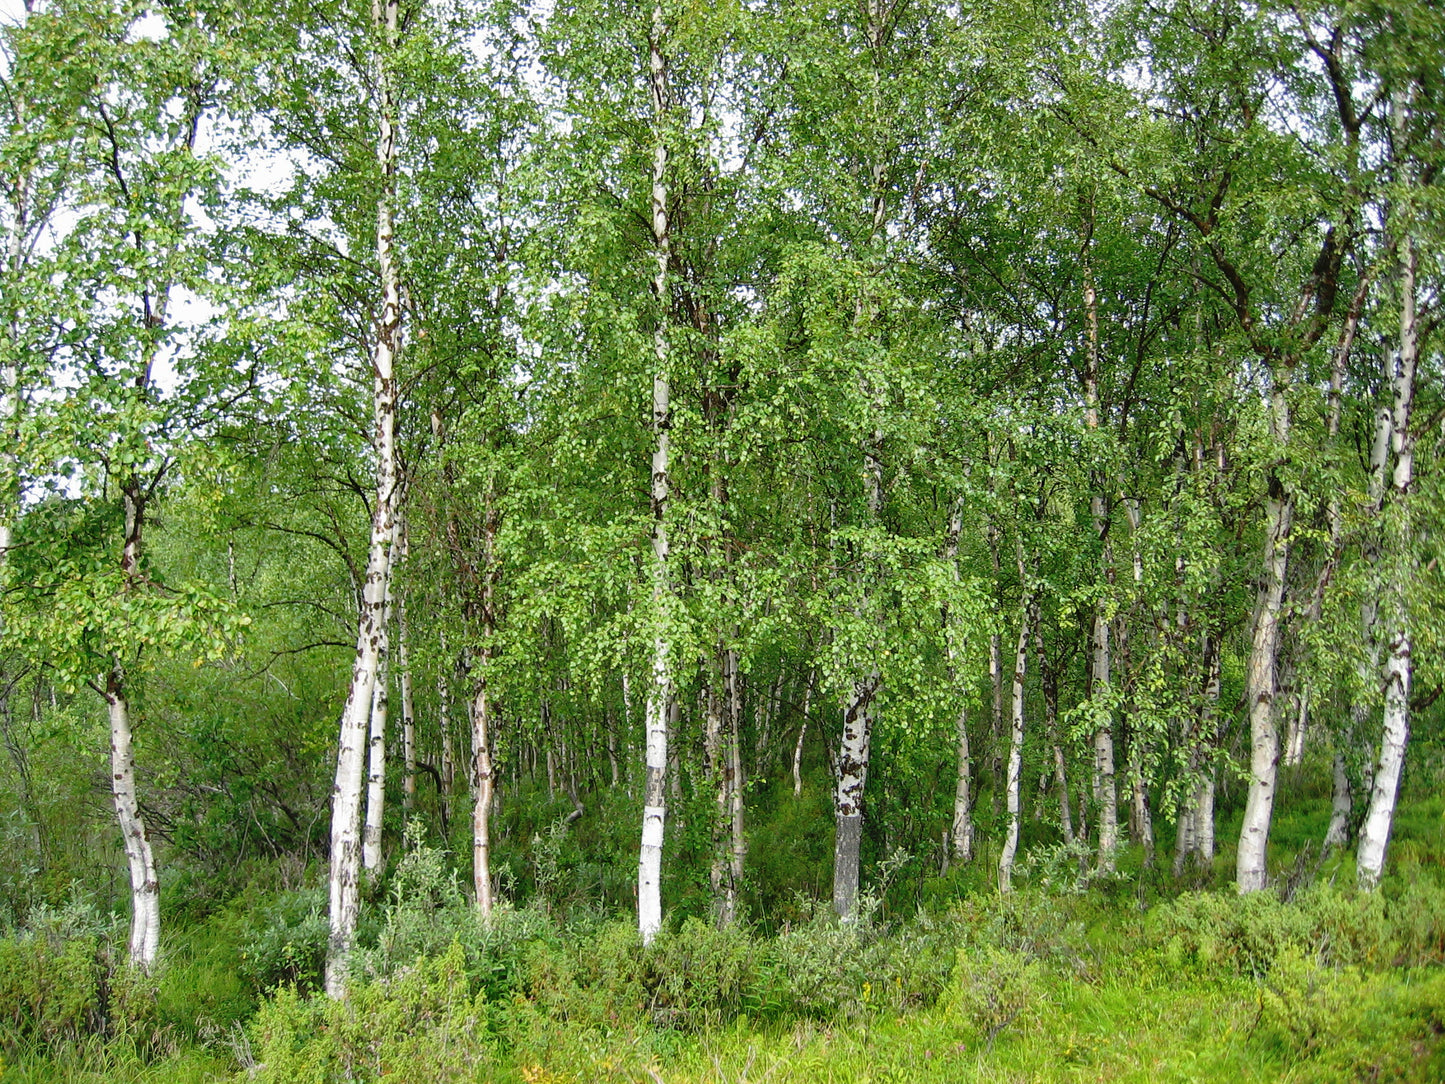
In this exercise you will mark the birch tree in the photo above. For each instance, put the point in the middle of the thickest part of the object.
(1413, 132)
(346, 842)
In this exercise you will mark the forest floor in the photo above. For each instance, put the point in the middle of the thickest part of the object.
(1119, 981)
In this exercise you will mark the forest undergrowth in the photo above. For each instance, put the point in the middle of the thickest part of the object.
(1135, 977)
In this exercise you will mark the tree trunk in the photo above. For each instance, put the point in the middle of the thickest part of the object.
(1337, 835)
(1106, 800)
(961, 824)
(482, 782)
(380, 706)
(858, 719)
(444, 724)
(802, 733)
(1398, 535)
(1196, 813)
(346, 795)
(1049, 679)
(1251, 864)
(145, 889)
(1016, 749)
(659, 693)
(408, 715)
(852, 774)
(737, 856)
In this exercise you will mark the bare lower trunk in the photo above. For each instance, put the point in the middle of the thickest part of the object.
(1204, 820)
(1106, 801)
(1337, 835)
(1195, 831)
(444, 723)
(1251, 865)
(995, 720)
(1049, 679)
(737, 855)
(376, 745)
(802, 733)
(607, 722)
(654, 799)
(408, 717)
(852, 773)
(1015, 753)
(483, 785)
(145, 891)
(962, 824)
(1142, 820)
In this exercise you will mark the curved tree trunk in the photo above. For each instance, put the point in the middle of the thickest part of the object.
(344, 901)
(1397, 633)
(145, 889)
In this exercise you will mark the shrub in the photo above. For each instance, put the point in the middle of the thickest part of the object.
(1247, 934)
(992, 987)
(49, 991)
(1345, 1023)
(816, 969)
(698, 976)
(420, 1024)
(284, 942)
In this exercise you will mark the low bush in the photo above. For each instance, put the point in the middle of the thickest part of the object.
(420, 1023)
(1350, 1024)
(993, 987)
(1402, 926)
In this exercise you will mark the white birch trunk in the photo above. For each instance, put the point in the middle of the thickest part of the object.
(961, 824)
(1251, 863)
(1397, 632)
(145, 893)
(737, 856)
(995, 719)
(1106, 799)
(484, 787)
(1337, 834)
(376, 740)
(1195, 831)
(444, 724)
(1048, 677)
(852, 775)
(659, 693)
(408, 712)
(344, 900)
(802, 733)
(1015, 752)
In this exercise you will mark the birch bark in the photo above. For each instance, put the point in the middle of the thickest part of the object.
(961, 823)
(145, 922)
(408, 703)
(380, 708)
(1016, 743)
(1251, 868)
(1397, 633)
(344, 902)
(1106, 801)
(659, 693)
